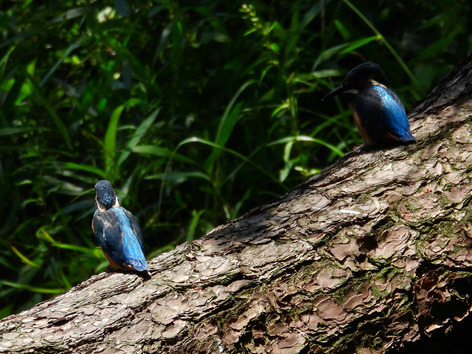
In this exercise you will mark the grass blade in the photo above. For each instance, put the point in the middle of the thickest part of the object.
(110, 139)
(31, 288)
(138, 135)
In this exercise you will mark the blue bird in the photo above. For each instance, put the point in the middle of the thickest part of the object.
(117, 231)
(378, 112)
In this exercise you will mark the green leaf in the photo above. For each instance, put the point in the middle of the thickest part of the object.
(23, 257)
(51, 110)
(179, 177)
(357, 44)
(138, 135)
(303, 138)
(162, 152)
(345, 33)
(235, 153)
(226, 126)
(110, 139)
(32, 288)
(69, 50)
(193, 224)
(341, 49)
(84, 168)
(20, 130)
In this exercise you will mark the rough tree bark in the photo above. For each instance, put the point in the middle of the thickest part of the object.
(372, 253)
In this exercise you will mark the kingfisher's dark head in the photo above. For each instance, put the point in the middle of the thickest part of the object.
(105, 196)
(366, 74)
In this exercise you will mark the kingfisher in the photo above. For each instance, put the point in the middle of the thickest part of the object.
(117, 231)
(378, 112)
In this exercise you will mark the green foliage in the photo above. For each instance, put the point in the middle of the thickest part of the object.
(196, 111)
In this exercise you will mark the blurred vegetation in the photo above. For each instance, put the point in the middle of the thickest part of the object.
(197, 111)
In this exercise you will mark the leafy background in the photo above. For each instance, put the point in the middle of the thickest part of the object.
(197, 111)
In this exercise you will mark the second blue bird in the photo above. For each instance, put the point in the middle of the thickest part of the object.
(378, 112)
(117, 231)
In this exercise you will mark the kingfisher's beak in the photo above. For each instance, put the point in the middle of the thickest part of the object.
(335, 92)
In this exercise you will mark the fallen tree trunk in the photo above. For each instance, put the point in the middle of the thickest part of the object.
(371, 254)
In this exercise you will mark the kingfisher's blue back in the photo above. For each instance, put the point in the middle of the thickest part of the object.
(378, 112)
(380, 115)
(120, 238)
(117, 230)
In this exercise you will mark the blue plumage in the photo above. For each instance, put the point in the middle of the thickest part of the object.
(378, 112)
(117, 231)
